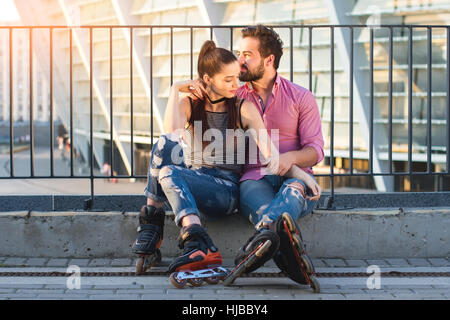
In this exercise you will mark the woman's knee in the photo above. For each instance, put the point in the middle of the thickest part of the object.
(166, 172)
(166, 151)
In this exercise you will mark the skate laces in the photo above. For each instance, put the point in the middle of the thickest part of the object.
(195, 236)
(149, 234)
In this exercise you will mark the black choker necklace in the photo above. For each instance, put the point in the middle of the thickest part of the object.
(216, 101)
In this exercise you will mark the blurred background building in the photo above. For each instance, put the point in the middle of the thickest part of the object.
(151, 82)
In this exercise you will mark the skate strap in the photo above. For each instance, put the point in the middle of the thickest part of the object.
(196, 232)
(151, 227)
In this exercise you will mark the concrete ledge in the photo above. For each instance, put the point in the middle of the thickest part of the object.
(350, 234)
(134, 202)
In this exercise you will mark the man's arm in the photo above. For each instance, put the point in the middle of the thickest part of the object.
(304, 158)
(310, 132)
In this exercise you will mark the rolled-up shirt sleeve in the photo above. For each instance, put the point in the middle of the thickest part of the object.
(309, 125)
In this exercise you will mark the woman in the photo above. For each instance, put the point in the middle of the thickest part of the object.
(195, 178)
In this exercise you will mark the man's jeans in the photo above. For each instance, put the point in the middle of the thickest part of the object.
(262, 201)
(206, 192)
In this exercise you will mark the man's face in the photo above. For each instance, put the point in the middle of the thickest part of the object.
(250, 60)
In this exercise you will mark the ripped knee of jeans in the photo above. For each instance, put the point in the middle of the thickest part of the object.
(157, 160)
(161, 142)
(165, 172)
(298, 187)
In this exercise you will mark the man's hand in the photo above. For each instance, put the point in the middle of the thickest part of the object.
(282, 165)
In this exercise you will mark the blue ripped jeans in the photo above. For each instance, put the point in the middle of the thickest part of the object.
(264, 200)
(206, 192)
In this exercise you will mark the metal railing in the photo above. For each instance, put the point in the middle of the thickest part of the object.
(309, 28)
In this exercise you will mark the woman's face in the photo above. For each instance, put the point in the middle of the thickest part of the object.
(226, 81)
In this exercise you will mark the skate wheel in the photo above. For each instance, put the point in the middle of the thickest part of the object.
(177, 283)
(195, 282)
(314, 283)
(212, 280)
(291, 225)
(307, 263)
(298, 243)
(263, 248)
(155, 260)
(140, 269)
(289, 221)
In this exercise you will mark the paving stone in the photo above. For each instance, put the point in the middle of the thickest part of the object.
(377, 262)
(355, 296)
(81, 291)
(252, 296)
(197, 296)
(20, 286)
(417, 297)
(154, 296)
(39, 291)
(398, 262)
(335, 262)
(113, 297)
(441, 286)
(431, 291)
(336, 296)
(356, 263)
(100, 263)
(418, 262)
(36, 262)
(159, 292)
(439, 262)
(177, 297)
(120, 286)
(7, 290)
(16, 295)
(310, 296)
(79, 262)
(408, 286)
(14, 261)
(318, 263)
(58, 263)
(121, 263)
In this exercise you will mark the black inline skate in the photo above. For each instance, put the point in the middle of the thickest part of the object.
(291, 257)
(200, 260)
(260, 248)
(148, 242)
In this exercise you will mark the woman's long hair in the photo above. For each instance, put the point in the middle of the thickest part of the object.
(210, 61)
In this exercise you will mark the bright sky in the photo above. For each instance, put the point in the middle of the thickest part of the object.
(8, 11)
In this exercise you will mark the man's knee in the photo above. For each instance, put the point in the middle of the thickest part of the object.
(296, 186)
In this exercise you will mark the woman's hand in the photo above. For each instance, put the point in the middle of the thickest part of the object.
(314, 187)
(195, 88)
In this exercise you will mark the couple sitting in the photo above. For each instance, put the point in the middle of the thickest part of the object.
(198, 180)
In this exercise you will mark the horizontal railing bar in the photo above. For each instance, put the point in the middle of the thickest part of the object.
(284, 26)
(424, 173)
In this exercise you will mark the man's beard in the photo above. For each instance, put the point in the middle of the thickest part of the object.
(252, 75)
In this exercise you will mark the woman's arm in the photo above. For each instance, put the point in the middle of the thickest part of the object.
(251, 119)
(177, 111)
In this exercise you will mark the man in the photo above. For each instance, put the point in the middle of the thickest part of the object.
(291, 109)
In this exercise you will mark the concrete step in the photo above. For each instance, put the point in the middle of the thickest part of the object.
(342, 234)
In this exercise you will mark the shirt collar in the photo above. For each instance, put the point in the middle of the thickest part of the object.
(275, 85)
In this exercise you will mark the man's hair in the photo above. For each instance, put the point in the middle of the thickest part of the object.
(269, 42)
